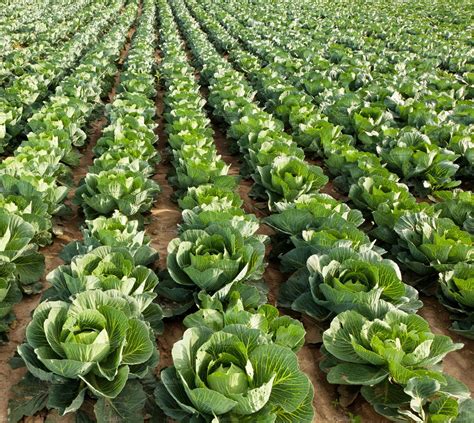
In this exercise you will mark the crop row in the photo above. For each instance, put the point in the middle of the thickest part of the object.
(424, 238)
(94, 335)
(217, 262)
(376, 93)
(24, 97)
(33, 180)
(22, 22)
(100, 304)
(344, 279)
(49, 36)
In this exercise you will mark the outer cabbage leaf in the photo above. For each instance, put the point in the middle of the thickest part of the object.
(456, 293)
(97, 342)
(235, 372)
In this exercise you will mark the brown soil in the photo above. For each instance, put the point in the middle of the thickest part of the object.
(333, 192)
(165, 215)
(67, 229)
(163, 227)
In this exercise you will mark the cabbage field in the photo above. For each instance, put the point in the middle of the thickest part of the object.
(222, 211)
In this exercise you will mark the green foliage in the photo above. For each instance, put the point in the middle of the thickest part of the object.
(243, 308)
(370, 192)
(456, 293)
(311, 211)
(214, 259)
(431, 244)
(458, 206)
(287, 178)
(236, 371)
(396, 360)
(115, 231)
(246, 224)
(25, 263)
(343, 279)
(422, 399)
(127, 191)
(209, 197)
(93, 344)
(104, 269)
(360, 344)
(33, 211)
(10, 294)
(418, 161)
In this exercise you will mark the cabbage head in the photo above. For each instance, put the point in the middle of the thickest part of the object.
(456, 293)
(236, 373)
(215, 258)
(115, 231)
(429, 244)
(129, 192)
(94, 344)
(289, 177)
(108, 268)
(399, 346)
(344, 279)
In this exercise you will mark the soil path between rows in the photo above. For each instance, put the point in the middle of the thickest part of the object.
(163, 227)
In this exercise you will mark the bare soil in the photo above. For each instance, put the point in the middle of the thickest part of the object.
(163, 227)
